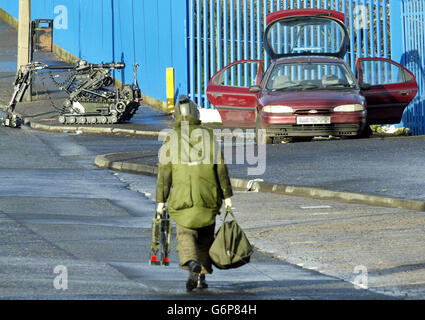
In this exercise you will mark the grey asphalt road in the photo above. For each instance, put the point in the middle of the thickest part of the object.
(58, 210)
(390, 166)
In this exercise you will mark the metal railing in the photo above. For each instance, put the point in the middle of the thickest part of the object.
(413, 23)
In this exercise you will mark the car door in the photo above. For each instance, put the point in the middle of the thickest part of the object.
(228, 91)
(388, 88)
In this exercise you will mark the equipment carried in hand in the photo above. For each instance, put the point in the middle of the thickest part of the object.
(160, 239)
(231, 248)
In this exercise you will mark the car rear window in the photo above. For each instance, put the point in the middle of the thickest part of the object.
(303, 35)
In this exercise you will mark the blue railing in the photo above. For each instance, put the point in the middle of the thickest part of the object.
(413, 57)
(223, 31)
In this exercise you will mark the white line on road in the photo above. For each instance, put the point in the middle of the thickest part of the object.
(316, 207)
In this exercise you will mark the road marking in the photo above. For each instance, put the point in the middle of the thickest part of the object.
(316, 207)
(303, 242)
(320, 213)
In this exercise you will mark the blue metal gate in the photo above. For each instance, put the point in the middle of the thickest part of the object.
(413, 57)
(223, 31)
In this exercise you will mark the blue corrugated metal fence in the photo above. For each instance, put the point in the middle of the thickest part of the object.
(223, 31)
(413, 57)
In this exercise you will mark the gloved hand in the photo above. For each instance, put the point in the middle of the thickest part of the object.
(160, 207)
(228, 203)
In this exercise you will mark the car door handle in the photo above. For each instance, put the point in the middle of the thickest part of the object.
(216, 95)
(405, 92)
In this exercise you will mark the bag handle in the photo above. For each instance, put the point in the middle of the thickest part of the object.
(229, 210)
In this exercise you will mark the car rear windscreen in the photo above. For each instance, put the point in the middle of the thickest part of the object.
(303, 35)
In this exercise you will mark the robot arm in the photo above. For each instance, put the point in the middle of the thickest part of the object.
(21, 84)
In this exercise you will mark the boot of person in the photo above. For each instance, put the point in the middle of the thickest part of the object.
(194, 273)
(202, 283)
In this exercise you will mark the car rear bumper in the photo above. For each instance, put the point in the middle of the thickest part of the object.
(313, 130)
(344, 124)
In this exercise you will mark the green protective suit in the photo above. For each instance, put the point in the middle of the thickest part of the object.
(191, 166)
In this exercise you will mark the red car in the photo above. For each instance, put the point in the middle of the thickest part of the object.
(308, 89)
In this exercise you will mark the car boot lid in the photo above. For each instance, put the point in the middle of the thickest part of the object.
(300, 32)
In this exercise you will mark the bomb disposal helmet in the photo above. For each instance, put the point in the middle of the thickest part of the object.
(185, 109)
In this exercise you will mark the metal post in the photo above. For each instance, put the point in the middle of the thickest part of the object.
(24, 25)
(397, 35)
(170, 89)
(396, 21)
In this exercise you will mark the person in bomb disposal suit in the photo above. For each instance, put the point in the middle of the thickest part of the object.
(192, 166)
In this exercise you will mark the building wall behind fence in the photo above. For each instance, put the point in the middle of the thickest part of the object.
(151, 33)
(223, 31)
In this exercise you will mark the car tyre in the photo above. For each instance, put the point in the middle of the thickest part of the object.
(366, 132)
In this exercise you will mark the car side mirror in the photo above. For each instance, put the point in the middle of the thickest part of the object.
(365, 86)
(255, 89)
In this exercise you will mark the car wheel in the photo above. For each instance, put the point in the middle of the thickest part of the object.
(366, 132)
